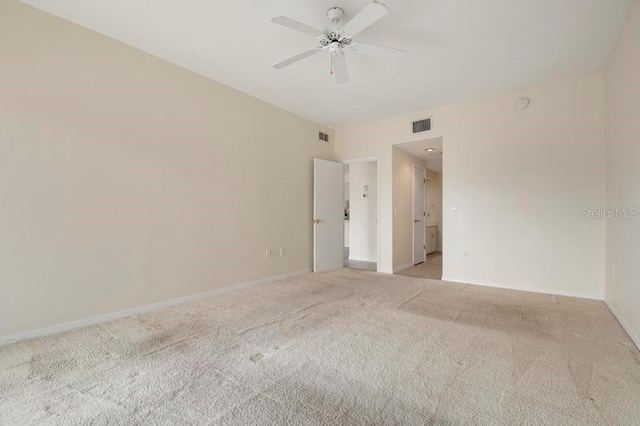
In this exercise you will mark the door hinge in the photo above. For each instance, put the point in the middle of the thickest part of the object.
(424, 213)
(425, 247)
(425, 180)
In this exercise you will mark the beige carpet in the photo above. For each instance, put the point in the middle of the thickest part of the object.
(344, 347)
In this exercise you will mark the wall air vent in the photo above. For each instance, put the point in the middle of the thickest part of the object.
(422, 125)
(323, 137)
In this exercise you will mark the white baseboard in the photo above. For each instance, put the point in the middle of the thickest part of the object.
(66, 326)
(525, 288)
(635, 337)
(402, 267)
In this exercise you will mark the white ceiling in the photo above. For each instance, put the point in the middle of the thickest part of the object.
(418, 149)
(458, 49)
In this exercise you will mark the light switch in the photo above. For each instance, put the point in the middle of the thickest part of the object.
(454, 210)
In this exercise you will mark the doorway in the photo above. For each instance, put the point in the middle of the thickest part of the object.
(418, 208)
(361, 214)
(432, 267)
(419, 193)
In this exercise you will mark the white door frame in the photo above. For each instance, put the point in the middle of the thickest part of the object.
(377, 160)
(413, 213)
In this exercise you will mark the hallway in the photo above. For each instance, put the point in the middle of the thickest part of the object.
(431, 269)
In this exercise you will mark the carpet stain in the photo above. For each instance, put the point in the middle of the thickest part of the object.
(46, 367)
(256, 357)
(163, 341)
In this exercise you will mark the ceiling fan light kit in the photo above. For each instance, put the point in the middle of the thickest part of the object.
(336, 38)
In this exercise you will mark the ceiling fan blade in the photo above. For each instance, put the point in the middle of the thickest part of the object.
(339, 63)
(297, 26)
(378, 51)
(367, 16)
(298, 57)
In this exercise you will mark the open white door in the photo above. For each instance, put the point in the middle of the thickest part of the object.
(328, 215)
(419, 183)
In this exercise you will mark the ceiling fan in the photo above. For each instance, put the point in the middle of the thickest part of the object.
(338, 37)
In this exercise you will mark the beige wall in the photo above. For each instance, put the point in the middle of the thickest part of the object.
(622, 100)
(363, 226)
(518, 179)
(434, 205)
(403, 207)
(125, 180)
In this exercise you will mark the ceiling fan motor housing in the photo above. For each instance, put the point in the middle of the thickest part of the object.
(335, 14)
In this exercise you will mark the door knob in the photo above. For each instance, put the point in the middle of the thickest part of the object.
(316, 220)
(416, 221)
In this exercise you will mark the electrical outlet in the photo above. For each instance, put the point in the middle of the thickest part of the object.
(282, 251)
(466, 254)
(267, 254)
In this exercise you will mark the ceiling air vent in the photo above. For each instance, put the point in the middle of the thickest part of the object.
(422, 125)
(323, 137)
